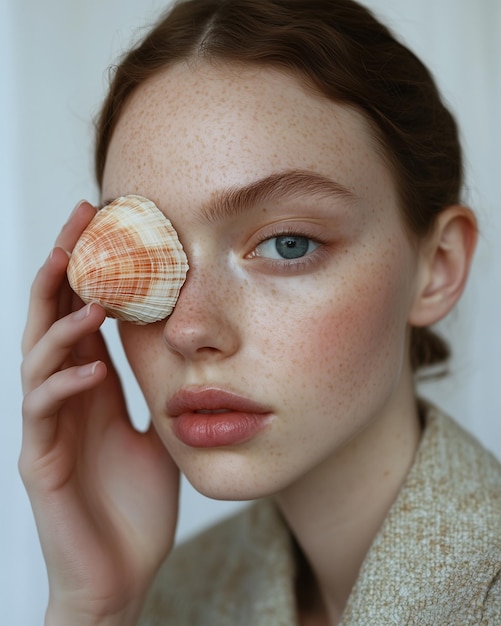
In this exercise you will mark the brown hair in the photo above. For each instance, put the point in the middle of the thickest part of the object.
(341, 50)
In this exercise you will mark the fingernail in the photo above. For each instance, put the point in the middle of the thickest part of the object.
(87, 370)
(47, 260)
(83, 312)
(79, 204)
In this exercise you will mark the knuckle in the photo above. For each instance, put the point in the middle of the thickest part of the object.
(52, 386)
(28, 407)
(25, 343)
(24, 468)
(32, 373)
(26, 372)
(25, 365)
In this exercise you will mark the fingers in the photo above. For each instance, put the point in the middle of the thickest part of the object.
(50, 295)
(77, 222)
(51, 352)
(40, 406)
(50, 379)
(44, 298)
(64, 352)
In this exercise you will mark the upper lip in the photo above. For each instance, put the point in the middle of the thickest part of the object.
(189, 400)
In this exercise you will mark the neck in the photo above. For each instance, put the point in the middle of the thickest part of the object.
(335, 511)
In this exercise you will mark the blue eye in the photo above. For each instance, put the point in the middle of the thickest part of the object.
(286, 247)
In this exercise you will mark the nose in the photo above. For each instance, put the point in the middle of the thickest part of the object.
(202, 324)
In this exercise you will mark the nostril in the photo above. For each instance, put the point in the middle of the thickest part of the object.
(196, 334)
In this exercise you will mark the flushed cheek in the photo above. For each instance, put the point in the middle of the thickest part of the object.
(145, 351)
(346, 350)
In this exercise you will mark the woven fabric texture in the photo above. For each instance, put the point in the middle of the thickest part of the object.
(436, 561)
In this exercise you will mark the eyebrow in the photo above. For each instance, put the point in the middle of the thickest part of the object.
(289, 183)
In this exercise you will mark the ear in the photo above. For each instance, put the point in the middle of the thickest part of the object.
(444, 263)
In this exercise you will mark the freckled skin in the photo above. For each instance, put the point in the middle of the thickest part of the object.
(327, 347)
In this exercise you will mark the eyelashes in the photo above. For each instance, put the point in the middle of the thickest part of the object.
(288, 249)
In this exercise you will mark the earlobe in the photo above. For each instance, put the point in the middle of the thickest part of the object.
(444, 265)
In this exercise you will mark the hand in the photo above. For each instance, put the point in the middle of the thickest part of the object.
(104, 495)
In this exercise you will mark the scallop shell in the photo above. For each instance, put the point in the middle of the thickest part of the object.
(130, 261)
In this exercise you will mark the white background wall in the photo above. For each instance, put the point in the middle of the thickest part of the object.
(54, 59)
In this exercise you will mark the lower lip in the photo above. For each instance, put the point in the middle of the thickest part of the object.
(211, 430)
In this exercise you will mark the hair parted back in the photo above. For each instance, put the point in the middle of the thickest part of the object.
(339, 48)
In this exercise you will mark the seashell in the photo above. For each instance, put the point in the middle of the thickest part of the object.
(130, 261)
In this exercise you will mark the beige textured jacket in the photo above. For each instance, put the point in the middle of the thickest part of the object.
(436, 561)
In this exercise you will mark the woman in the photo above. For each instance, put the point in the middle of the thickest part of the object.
(313, 175)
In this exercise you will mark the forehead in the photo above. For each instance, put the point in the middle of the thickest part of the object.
(193, 130)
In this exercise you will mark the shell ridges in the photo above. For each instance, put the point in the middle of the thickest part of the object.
(130, 261)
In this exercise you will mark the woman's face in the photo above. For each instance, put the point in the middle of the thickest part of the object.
(289, 337)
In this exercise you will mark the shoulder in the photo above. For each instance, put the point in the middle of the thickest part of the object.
(466, 475)
(440, 547)
(474, 508)
(238, 567)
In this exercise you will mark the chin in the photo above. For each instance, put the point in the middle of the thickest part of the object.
(228, 495)
(230, 477)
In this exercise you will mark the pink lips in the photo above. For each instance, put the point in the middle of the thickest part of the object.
(210, 417)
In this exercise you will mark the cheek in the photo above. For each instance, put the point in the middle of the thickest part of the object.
(350, 334)
(143, 346)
